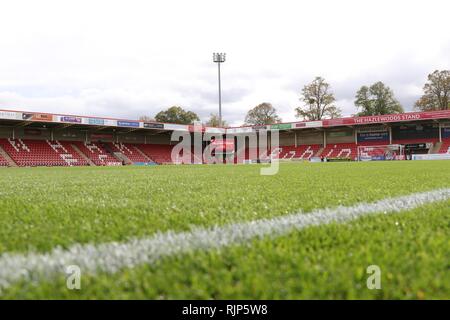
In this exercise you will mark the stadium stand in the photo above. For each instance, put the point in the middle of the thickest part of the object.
(304, 152)
(340, 151)
(3, 162)
(251, 154)
(33, 139)
(195, 159)
(159, 153)
(97, 154)
(445, 147)
(68, 153)
(40, 153)
(374, 143)
(130, 151)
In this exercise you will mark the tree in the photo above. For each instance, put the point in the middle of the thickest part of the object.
(436, 92)
(214, 121)
(318, 101)
(146, 119)
(178, 115)
(376, 100)
(263, 113)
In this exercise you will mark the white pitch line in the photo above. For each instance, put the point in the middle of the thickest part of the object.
(114, 256)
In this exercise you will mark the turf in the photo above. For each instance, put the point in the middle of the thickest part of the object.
(412, 250)
(41, 208)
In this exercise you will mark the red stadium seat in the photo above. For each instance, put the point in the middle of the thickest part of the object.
(340, 151)
(302, 152)
(3, 162)
(41, 153)
(129, 150)
(62, 153)
(158, 153)
(445, 147)
(97, 154)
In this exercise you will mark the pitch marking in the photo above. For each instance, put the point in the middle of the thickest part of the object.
(114, 256)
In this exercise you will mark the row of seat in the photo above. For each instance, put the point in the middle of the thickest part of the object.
(445, 147)
(97, 154)
(38, 153)
(338, 150)
(130, 151)
(159, 153)
(64, 153)
(3, 162)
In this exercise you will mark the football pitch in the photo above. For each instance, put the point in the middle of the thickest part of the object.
(227, 232)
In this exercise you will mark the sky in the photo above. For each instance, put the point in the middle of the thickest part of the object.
(131, 58)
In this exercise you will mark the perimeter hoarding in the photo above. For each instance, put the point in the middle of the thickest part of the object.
(176, 127)
(129, 124)
(308, 124)
(281, 126)
(239, 130)
(411, 116)
(37, 117)
(445, 132)
(223, 145)
(70, 119)
(100, 122)
(435, 156)
(215, 130)
(10, 115)
(196, 128)
(153, 125)
(260, 127)
(373, 136)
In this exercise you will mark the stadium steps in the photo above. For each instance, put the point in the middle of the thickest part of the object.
(319, 152)
(437, 146)
(6, 156)
(117, 155)
(120, 156)
(83, 155)
(142, 154)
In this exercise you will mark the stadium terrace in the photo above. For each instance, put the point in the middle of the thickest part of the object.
(43, 139)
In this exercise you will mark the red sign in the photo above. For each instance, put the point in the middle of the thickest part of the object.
(410, 116)
(37, 117)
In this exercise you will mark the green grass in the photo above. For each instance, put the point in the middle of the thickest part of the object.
(412, 249)
(41, 208)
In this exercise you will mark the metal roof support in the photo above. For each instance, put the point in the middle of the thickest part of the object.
(296, 141)
(390, 134)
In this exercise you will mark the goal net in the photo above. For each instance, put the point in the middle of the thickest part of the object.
(381, 152)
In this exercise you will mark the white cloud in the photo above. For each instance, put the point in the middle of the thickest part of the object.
(128, 58)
